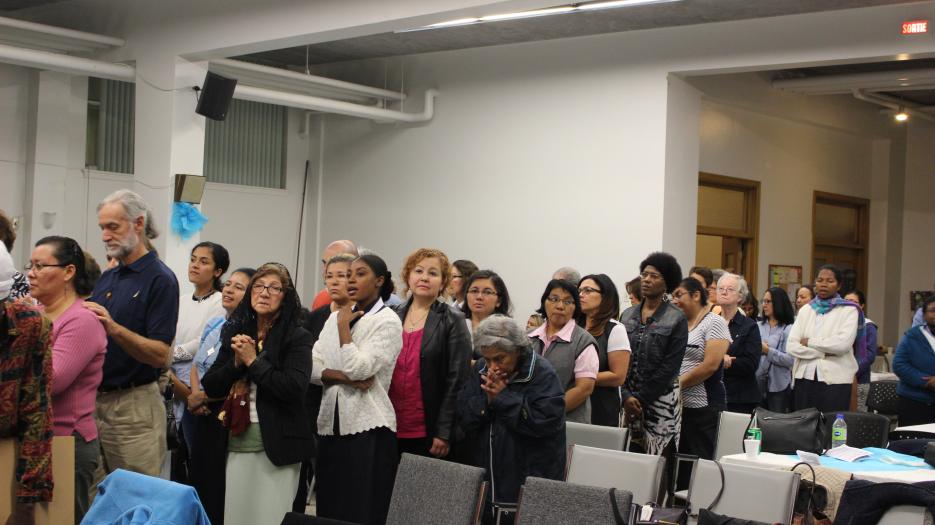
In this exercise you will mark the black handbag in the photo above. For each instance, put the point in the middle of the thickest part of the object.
(707, 517)
(788, 433)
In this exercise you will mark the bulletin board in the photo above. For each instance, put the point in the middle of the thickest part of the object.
(787, 277)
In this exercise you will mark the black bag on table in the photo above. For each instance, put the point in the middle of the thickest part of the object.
(788, 433)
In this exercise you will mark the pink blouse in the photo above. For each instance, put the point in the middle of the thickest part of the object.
(406, 388)
(78, 346)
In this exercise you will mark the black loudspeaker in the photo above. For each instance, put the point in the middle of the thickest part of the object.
(216, 95)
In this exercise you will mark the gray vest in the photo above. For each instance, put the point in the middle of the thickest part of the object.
(562, 356)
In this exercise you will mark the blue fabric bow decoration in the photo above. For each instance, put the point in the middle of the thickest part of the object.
(186, 220)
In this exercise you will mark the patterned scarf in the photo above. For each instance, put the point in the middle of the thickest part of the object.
(864, 355)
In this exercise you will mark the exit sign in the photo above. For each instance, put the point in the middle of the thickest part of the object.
(915, 27)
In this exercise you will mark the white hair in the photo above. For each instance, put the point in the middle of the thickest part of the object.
(134, 206)
(502, 332)
(742, 287)
(567, 273)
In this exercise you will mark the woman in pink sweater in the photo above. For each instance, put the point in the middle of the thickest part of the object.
(58, 279)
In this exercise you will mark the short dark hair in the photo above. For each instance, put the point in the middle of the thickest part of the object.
(633, 287)
(568, 287)
(93, 269)
(692, 286)
(810, 288)
(249, 272)
(927, 301)
(610, 302)
(861, 298)
(838, 274)
(667, 265)
(222, 260)
(466, 267)
(506, 306)
(783, 310)
(67, 252)
(705, 274)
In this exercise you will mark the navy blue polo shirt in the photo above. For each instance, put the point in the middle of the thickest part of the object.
(143, 297)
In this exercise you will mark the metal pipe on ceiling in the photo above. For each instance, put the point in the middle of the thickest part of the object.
(247, 71)
(96, 68)
(877, 81)
(891, 103)
(60, 32)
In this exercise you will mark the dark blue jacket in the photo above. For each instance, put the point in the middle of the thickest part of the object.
(865, 502)
(914, 360)
(522, 432)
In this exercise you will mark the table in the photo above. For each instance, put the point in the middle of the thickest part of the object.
(929, 428)
(780, 461)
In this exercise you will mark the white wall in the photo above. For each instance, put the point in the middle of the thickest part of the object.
(527, 166)
(15, 87)
(918, 270)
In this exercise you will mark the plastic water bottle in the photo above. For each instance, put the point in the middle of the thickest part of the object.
(838, 432)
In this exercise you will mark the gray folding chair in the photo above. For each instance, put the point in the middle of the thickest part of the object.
(903, 515)
(559, 503)
(731, 428)
(751, 493)
(640, 474)
(436, 492)
(612, 438)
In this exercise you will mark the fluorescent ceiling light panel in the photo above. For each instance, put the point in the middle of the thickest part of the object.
(592, 6)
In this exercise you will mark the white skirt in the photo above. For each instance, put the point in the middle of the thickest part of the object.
(258, 492)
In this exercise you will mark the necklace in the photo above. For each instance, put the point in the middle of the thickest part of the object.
(411, 326)
(697, 319)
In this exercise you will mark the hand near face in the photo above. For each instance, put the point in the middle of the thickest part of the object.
(346, 315)
(493, 383)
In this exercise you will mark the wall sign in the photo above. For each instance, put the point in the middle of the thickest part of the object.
(915, 27)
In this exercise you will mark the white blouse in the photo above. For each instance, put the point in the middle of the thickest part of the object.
(376, 340)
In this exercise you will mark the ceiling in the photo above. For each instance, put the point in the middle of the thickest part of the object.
(912, 97)
(579, 23)
(8, 6)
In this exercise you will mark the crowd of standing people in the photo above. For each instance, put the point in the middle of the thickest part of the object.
(267, 395)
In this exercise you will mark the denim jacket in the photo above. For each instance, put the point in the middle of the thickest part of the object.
(657, 354)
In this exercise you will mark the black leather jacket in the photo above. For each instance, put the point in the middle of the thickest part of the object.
(445, 361)
(657, 356)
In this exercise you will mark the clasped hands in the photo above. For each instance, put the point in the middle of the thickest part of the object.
(244, 348)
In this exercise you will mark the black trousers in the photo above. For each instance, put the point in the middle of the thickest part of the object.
(809, 393)
(699, 433)
(912, 412)
(417, 446)
(780, 402)
(208, 460)
(356, 475)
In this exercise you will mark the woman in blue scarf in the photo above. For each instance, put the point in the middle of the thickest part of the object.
(826, 340)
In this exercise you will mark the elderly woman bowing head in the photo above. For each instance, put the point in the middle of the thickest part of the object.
(514, 405)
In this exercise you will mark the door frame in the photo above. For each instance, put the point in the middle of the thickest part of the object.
(750, 233)
(863, 231)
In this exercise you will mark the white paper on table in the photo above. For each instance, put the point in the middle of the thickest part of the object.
(808, 457)
(846, 453)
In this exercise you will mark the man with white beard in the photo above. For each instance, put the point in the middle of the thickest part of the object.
(137, 301)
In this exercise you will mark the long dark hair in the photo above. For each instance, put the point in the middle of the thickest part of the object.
(609, 307)
(243, 320)
(506, 306)
(568, 287)
(783, 310)
(222, 260)
(67, 252)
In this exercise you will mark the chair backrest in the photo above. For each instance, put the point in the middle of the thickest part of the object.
(731, 428)
(752, 493)
(863, 429)
(882, 397)
(612, 438)
(640, 474)
(433, 491)
(561, 503)
(903, 515)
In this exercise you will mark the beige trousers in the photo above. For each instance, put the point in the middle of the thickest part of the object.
(132, 428)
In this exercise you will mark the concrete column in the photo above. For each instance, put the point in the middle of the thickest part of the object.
(55, 156)
(169, 140)
(680, 205)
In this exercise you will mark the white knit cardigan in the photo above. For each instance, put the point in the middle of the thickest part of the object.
(376, 340)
